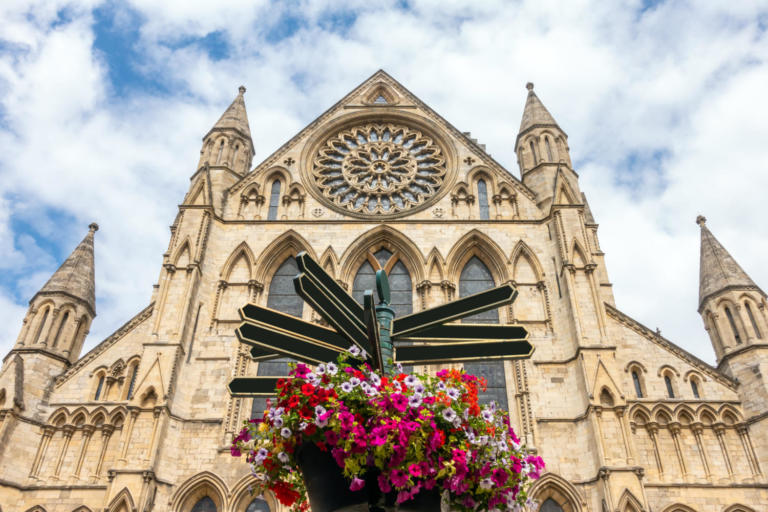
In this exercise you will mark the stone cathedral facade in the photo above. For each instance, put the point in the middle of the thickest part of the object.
(626, 420)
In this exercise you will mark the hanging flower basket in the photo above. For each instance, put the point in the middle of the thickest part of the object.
(406, 439)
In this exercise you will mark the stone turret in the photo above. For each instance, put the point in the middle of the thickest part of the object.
(733, 308)
(61, 312)
(543, 156)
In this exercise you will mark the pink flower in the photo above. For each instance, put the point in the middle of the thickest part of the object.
(301, 370)
(357, 484)
(384, 484)
(414, 470)
(234, 451)
(399, 478)
(399, 402)
(331, 437)
(499, 477)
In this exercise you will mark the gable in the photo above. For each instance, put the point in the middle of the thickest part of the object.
(379, 101)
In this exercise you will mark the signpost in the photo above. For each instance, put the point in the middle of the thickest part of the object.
(419, 338)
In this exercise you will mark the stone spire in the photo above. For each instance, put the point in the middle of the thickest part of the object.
(75, 277)
(235, 117)
(535, 113)
(718, 271)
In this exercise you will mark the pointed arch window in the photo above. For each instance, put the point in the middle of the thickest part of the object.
(550, 505)
(695, 388)
(205, 504)
(258, 505)
(533, 153)
(549, 149)
(482, 200)
(62, 325)
(732, 322)
(668, 383)
(475, 277)
(283, 298)
(636, 382)
(132, 382)
(221, 152)
(234, 155)
(41, 325)
(274, 200)
(752, 320)
(99, 387)
(400, 283)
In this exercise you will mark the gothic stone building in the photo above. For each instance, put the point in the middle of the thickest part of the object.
(626, 420)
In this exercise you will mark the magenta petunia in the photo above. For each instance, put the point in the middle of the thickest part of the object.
(357, 484)
(398, 478)
(399, 402)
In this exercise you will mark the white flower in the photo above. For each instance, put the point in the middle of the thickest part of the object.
(321, 423)
(411, 381)
(449, 414)
(516, 446)
(303, 425)
(456, 422)
(261, 454)
(354, 350)
(487, 415)
(441, 386)
(375, 379)
(354, 381)
(486, 483)
(399, 367)
(346, 387)
(419, 388)
(397, 387)
(532, 505)
(320, 370)
(453, 393)
(414, 400)
(312, 378)
(285, 432)
(319, 410)
(503, 446)
(277, 422)
(372, 391)
(331, 368)
(282, 457)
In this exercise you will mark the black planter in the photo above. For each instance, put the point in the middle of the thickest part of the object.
(425, 501)
(327, 488)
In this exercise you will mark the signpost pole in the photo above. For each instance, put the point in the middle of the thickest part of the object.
(384, 315)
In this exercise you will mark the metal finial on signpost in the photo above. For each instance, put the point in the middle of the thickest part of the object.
(384, 314)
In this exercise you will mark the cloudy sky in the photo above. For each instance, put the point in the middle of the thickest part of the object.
(103, 106)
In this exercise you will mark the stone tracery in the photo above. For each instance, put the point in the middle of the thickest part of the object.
(379, 168)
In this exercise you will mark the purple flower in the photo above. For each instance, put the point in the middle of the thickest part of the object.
(285, 432)
(453, 393)
(282, 457)
(346, 387)
(354, 381)
(357, 484)
(331, 368)
(449, 414)
(354, 350)
(261, 454)
(375, 379)
(487, 415)
(415, 400)
(320, 370)
(411, 381)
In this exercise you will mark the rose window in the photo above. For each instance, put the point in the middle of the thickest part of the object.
(379, 168)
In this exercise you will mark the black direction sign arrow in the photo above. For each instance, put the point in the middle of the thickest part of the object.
(466, 306)
(467, 332)
(253, 386)
(335, 314)
(372, 325)
(263, 354)
(460, 352)
(305, 349)
(272, 318)
(337, 293)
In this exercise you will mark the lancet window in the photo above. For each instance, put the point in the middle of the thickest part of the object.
(475, 277)
(732, 323)
(482, 200)
(41, 325)
(99, 387)
(668, 384)
(549, 149)
(636, 382)
(205, 504)
(274, 200)
(258, 505)
(59, 331)
(695, 388)
(400, 283)
(550, 505)
(752, 320)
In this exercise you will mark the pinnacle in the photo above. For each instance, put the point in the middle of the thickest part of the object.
(718, 270)
(235, 117)
(75, 277)
(535, 113)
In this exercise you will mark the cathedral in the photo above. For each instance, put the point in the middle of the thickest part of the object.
(626, 420)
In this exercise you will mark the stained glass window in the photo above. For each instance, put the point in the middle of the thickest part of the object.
(205, 504)
(274, 201)
(482, 200)
(258, 505)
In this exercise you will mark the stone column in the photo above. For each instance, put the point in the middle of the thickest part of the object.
(625, 435)
(697, 429)
(150, 449)
(48, 431)
(653, 429)
(674, 429)
(106, 434)
(749, 450)
(597, 424)
(720, 433)
(87, 432)
(128, 432)
(68, 430)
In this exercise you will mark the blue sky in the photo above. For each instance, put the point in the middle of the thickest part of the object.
(103, 105)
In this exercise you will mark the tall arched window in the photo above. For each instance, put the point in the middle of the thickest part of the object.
(668, 383)
(221, 152)
(62, 324)
(99, 386)
(695, 388)
(399, 280)
(475, 277)
(533, 153)
(132, 382)
(550, 505)
(274, 200)
(258, 505)
(549, 149)
(205, 504)
(733, 325)
(41, 325)
(281, 297)
(482, 200)
(636, 382)
(234, 155)
(752, 319)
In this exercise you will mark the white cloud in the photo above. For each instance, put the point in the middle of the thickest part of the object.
(679, 86)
